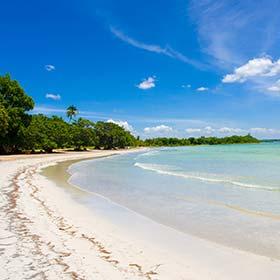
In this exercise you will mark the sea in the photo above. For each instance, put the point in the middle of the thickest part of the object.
(228, 194)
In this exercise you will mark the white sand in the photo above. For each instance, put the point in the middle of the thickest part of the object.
(45, 234)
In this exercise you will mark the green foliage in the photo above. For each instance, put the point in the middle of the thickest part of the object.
(4, 121)
(16, 103)
(110, 135)
(82, 134)
(163, 141)
(200, 141)
(46, 134)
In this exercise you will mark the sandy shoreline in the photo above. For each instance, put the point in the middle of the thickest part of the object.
(45, 234)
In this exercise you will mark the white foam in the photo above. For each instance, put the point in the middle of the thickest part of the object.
(149, 153)
(164, 170)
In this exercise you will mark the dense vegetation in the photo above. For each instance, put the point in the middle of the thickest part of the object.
(13, 106)
(21, 131)
(201, 141)
(270, 140)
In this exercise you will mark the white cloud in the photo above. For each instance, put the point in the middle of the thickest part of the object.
(202, 89)
(207, 130)
(264, 130)
(154, 48)
(275, 89)
(210, 130)
(123, 124)
(186, 86)
(193, 130)
(49, 67)
(227, 131)
(53, 96)
(147, 83)
(257, 67)
(158, 129)
(231, 130)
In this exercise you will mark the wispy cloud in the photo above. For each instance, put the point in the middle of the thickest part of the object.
(47, 110)
(209, 130)
(202, 89)
(265, 131)
(193, 130)
(233, 31)
(167, 51)
(147, 83)
(274, 89)
(53, 96)
(227, 131)
(231, 130)
(49, 67)
(60, 111)
(160, 129)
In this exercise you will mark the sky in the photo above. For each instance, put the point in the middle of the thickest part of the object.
(158, 68)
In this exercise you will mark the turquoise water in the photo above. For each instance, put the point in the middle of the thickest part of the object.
(229, 194)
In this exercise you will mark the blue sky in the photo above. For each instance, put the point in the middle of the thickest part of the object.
(159, 68)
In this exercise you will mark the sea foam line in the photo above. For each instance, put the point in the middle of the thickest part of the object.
(157, 169)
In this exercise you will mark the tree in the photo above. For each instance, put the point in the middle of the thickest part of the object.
(110, 136)
(4, 121)
(59, 132)
(16, 103)
(200, 141)
(71, 112)
(46, 134)
(82, 134)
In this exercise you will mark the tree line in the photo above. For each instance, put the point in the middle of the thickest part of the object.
(235, 139)
(21, 131)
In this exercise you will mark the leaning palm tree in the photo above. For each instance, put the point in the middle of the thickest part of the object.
(71, 112)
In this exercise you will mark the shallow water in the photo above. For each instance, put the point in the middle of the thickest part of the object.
(229, 194)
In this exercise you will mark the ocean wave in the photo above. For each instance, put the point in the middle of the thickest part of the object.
(167, 170)
(149, 153)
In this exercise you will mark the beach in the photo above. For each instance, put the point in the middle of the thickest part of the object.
(46, 234)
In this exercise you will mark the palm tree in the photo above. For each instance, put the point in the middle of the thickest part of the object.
(71, 112)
